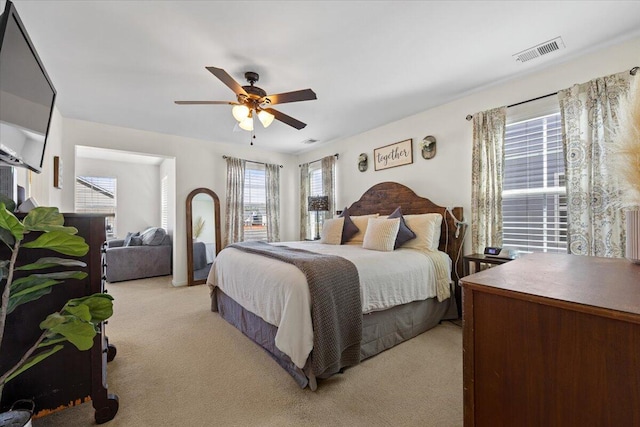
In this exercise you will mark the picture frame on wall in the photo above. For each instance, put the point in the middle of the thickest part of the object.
(393, 155)
(57, 172)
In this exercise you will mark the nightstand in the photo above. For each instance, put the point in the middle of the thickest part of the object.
(478, 259)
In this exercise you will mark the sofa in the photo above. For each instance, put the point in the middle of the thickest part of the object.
(139, 255)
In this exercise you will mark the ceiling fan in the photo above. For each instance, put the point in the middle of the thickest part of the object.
(254, 101)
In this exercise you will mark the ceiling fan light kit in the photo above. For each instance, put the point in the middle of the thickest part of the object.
(253, 100)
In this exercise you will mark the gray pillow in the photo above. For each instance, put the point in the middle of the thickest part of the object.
(404, 233)
(349, 229)
(153, 236)
(136, 241)
(127, 240)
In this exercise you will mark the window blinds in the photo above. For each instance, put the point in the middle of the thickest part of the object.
(534, 195)
(255, 202)
(97, 195)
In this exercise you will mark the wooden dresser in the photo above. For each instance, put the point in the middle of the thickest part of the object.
(69, 377)
(552, 340)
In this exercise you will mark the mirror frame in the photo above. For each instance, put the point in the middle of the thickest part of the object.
(216, 208)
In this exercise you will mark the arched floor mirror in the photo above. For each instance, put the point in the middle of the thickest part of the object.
(203, 234)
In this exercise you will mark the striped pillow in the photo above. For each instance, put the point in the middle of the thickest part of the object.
(381, 234)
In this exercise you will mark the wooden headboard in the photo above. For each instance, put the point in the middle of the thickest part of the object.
(385, 197)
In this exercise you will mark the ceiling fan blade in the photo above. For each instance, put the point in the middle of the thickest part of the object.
(286, 119)
(228, 80)
(295, 96)
(206, 103)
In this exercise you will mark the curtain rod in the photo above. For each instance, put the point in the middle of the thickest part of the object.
(632, 71)
(251, 161)
(317, 160)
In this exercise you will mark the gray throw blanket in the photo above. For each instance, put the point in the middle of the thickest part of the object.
(336, 309)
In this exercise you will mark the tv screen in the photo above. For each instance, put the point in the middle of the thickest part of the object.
(26, 96)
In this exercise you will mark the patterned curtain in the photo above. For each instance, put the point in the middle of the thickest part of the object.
(234, 225)
(329, 185)
(589, 119)
(304, 193)
(486, 178)
(273, 202)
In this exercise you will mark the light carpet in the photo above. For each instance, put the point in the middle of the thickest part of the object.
(179, 364)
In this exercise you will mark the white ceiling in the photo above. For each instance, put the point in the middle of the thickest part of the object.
(370, 63)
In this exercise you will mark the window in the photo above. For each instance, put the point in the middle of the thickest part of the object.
(164, 203)
(97, 195)
(315, 189)
(255, 202)
(534, 201)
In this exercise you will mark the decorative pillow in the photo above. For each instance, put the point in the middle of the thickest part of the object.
(404, 233)
(332, 231)
(381, 234)
(349, 228)
(153, 236)
(427, 230)
(361, 222)
(127, 239)
(136, 241)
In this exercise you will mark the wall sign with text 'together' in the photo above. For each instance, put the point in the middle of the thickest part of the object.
(392, 155)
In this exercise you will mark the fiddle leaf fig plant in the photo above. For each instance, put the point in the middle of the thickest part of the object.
(78, 320)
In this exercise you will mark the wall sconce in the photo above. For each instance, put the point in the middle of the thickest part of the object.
(363, 162)
(428, 147)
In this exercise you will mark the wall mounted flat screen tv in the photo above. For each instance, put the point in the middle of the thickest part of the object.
(27, 96)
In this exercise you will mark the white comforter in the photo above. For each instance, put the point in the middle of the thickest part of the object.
(278, 292)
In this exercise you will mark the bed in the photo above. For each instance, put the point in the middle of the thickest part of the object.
(269, 300)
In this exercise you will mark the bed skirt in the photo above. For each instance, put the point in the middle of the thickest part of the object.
(381, 330)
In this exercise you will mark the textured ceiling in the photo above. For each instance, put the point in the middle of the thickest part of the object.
(370, 63)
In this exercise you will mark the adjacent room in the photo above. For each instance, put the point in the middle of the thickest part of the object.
(386, 213)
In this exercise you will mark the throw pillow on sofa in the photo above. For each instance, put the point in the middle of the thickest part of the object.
(127, 239)
(153, 236)
(136, 241)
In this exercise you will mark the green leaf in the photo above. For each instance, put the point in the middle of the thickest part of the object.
(54, 339)
(60, 242)
(24, 285)
(9, 222)
(52, 320)
(8, 202)
(80, 311)
(40, 218)
(100, 306)
(61, 275)
(17, 301)
(33, 360)
(78, 333)
(48, 262)
(7, 237)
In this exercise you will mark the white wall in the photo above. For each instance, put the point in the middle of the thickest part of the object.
(446, 179)
(137, 191)
(41, 185)
(168, 170)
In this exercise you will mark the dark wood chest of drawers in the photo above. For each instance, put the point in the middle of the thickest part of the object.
(552, 340)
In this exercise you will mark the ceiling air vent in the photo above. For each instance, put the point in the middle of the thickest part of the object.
(539, 50)
(309, 141)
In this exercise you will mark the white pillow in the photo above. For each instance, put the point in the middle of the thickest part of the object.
(427, 229)
(361, 221)
(381, 234)
(332, 231)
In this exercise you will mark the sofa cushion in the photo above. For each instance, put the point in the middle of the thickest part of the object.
(135, 241)
(127, 239)
(153, 236)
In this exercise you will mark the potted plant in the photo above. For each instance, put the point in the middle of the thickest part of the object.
(78, 320)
